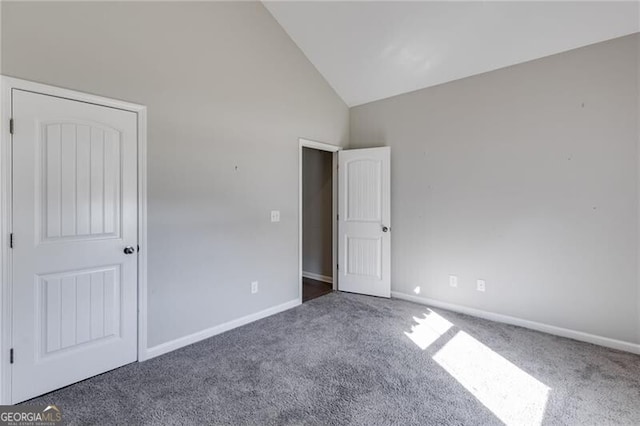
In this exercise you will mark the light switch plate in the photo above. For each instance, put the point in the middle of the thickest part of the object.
(275, 215)
(453, 280)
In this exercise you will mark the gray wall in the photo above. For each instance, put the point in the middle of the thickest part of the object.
(526, 177)
(317, 212)
(638, 145)
(228, 95)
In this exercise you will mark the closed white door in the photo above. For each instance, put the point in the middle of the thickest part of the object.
(364, 221)
(74, 286)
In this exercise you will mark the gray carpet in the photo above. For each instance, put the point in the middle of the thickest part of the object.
(347, 359)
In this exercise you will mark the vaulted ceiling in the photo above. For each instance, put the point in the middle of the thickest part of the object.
(373, 50)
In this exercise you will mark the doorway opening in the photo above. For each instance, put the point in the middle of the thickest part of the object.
(361, 209)
(318, 212)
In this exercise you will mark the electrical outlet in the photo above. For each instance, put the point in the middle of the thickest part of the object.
(481, 285)
(254, 287)
(453, 281)
(275, 215)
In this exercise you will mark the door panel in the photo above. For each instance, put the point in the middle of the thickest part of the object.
(364, 257)
(364, 190)
(81, 182)
(74, 291)
(364, 201)
(78, 307)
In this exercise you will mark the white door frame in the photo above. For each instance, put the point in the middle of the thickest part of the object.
(7, 84)
(307, 143)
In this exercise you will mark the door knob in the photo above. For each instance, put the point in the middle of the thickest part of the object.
(129, 250)
(385, 228)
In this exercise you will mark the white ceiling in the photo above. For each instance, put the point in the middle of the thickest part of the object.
(373, 50)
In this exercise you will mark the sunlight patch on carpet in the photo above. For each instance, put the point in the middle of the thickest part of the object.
(428, 329)
(511, 394)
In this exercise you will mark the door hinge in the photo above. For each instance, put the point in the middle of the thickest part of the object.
(11, 240)
(11, 356)
(337, 267)
(337, 217)
(11, 125)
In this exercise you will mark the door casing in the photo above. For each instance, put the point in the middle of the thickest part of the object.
(7, 85)
(307, 143)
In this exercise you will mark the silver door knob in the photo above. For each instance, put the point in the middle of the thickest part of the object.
(385, 228)
(129, 250)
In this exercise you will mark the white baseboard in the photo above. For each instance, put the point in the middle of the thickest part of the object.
(545, 328)
(210, 332)
(317, 277)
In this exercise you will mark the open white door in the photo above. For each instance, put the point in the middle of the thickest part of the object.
(74, 287)
(364, 221)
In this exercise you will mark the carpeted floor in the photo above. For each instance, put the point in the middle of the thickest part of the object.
(349, 359)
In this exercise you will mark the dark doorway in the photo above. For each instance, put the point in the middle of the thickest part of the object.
(313, 288)
(317, 223)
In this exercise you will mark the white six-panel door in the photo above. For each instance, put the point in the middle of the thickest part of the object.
(364, 221)
(74, 290)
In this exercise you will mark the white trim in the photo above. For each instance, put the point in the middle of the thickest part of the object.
(7, 84)
(308, 143)
(506, 319)
(178, 343)
(30, 86)
(142, 234)
(5, 229)
(317, 277)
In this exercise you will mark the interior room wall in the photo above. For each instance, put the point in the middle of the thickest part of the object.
(228, 95)
(525, 177)
(638, 135)
(317, 211)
